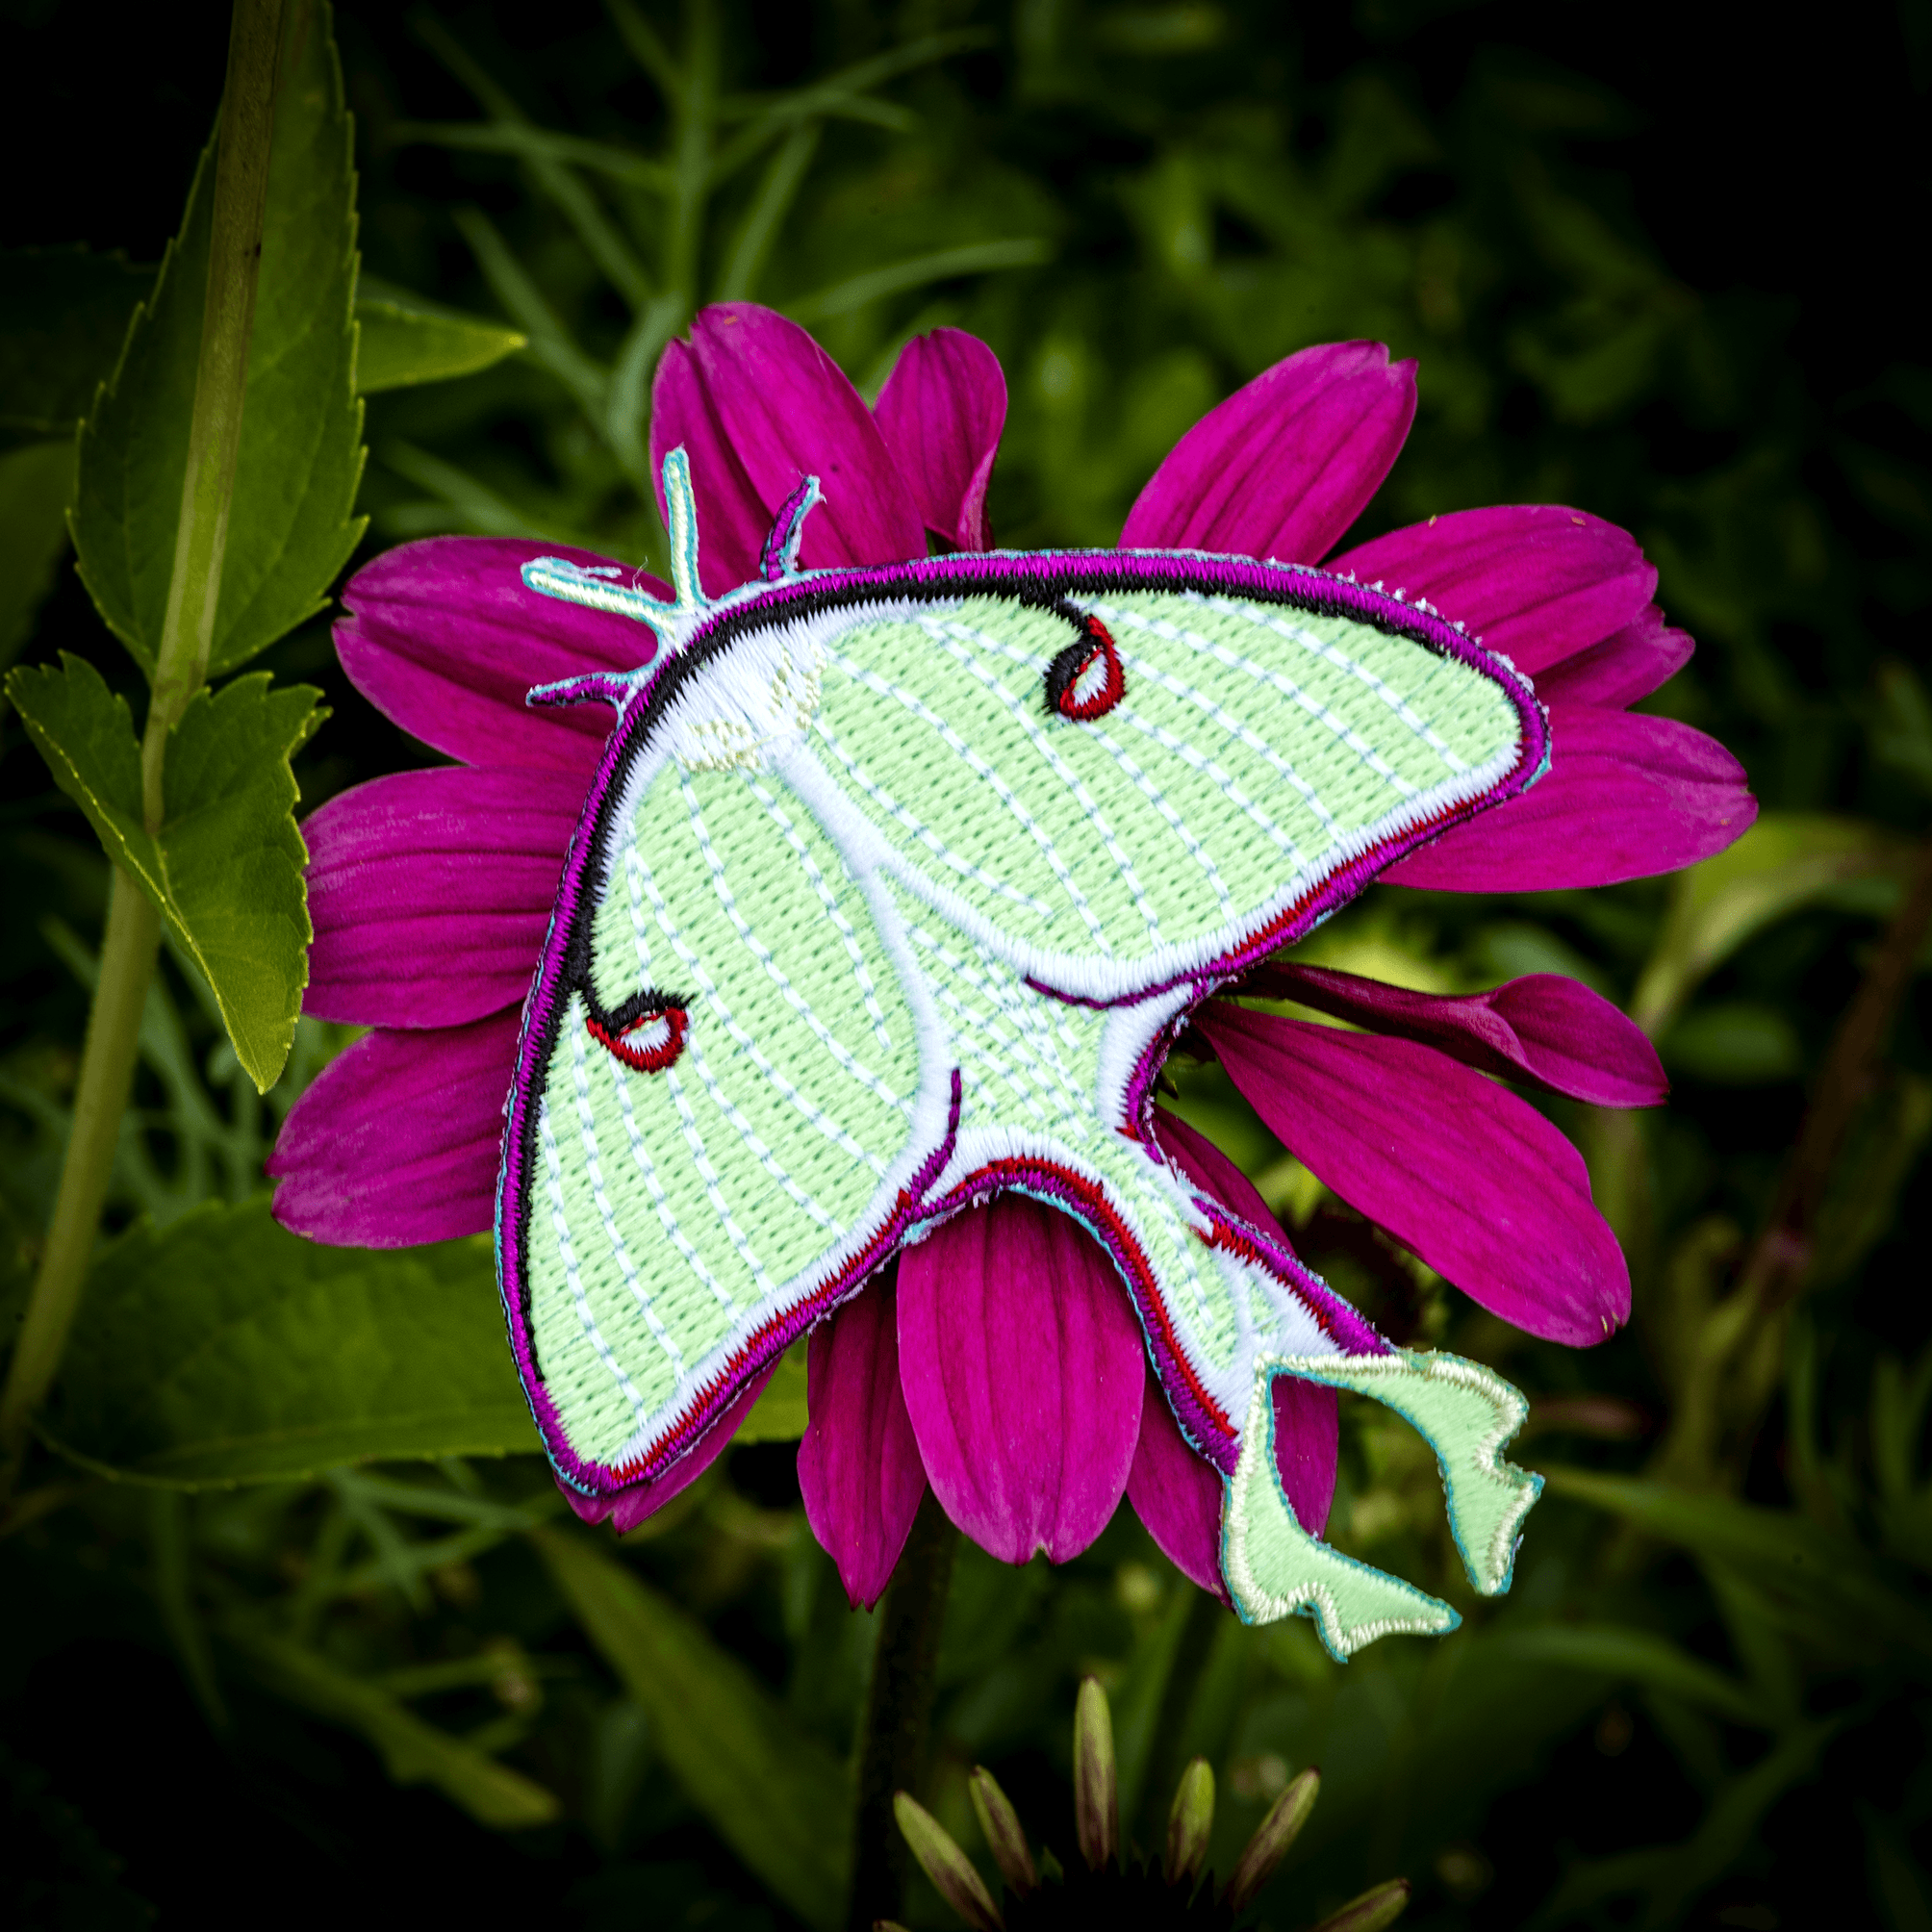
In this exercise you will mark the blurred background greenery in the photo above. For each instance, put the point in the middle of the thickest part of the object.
(1652, 264)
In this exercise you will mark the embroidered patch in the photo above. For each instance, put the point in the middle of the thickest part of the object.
(932, 939)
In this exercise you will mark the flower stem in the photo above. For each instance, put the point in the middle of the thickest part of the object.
(1167, 1748)
(107, 1073)
(180, 664)
(899, 1713)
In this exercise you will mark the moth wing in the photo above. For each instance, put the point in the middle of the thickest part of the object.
(1257, 749)
(671, 1220)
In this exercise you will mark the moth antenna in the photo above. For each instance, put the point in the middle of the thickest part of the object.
(609, 687)
(680, 520)
(781, 556)
(594, 585)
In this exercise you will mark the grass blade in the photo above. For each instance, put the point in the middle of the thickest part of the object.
(976, 258)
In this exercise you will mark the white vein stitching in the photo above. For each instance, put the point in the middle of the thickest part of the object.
(713, 1188)
(751, 1137)
(587, 1122)
(1035, 1029)
(1145, 785)
(815, 1114)
(911, 702)
(966, 868)
(1338, 728)
(667, 1217)
(1012, 1070)
(1214, 771)
(827, 897)
(843, 1055)
(1322, 648)
(561, 1226)
(955, 635)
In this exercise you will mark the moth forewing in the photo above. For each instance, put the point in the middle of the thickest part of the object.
(676, 1215)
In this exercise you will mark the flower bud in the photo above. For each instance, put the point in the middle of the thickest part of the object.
(1381, 1906)
(1189, 1823)
(1005, 1836)
(949, 1869)
(1272, 1839)
(1096, 1787)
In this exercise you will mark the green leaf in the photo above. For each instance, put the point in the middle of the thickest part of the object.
(602, 239)
(1784, 1554)
(413, 1752)
(290, 526)
(975, 258)
(777, 1797)
(1784, 860)
(403, 346)
(1638, 1657)
(1734, 1043)
(35, 485)
(1901, 731)
(778, 1415)
(536, 144)
(63, 316)
(550, 342)
(223, 1350)
(226, 872)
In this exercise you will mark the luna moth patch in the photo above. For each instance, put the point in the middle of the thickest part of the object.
(894, 887)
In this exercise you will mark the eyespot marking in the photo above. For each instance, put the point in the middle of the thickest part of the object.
(647, 1032)
(1085, 680)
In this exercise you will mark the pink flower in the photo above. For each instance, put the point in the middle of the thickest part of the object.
(1001, 1361)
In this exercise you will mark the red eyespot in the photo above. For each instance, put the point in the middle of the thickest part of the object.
(1085, 680)
(648, 1042)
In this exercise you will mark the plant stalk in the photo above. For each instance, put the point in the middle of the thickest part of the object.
(221, 379)
(188, 628)
(1775, 1270)
(899, 1713)
(1739, 1347)
(100, 1098)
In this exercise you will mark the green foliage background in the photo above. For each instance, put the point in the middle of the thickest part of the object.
(1666, 284)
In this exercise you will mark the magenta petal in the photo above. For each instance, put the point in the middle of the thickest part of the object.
(1552, 1028)
(1284, 465)
(758, 406)
(1627, 665)
(1308, 1448)
(1537, 582)
(1209, 1169)
(444, 637)
(1307, 1417)
(858, 1465)
(1462, 1171)
(1625, 796)
(587, 1509)
(431, 892)
(733, 519)
(1177, 1494)
(941, 413)
(633, 1506)
(397, 1140)
(1022, 1367)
